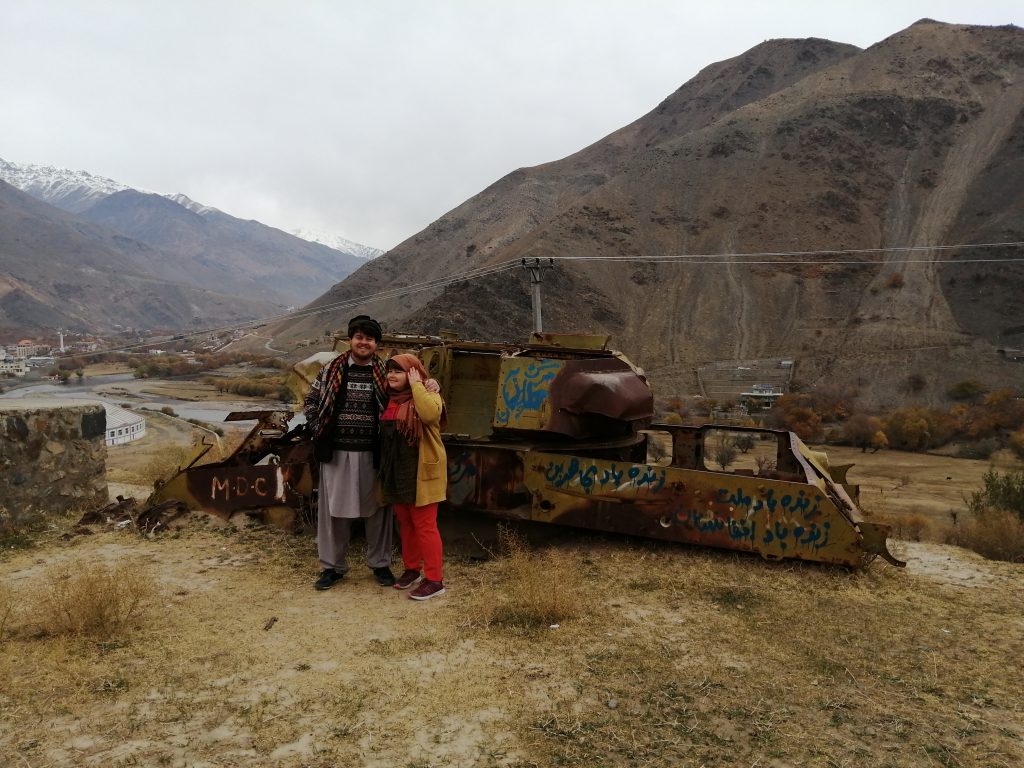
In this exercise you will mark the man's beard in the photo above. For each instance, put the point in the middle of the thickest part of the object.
(360, 359)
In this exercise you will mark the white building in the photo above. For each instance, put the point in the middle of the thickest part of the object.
(123, 425)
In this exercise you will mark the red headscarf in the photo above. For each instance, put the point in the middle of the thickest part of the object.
(407, 420)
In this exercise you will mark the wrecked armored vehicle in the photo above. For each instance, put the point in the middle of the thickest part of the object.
(560, 430)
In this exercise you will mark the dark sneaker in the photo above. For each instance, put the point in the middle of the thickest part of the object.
(407, 579)
(384, 576)
(427, 590)
(328, 578)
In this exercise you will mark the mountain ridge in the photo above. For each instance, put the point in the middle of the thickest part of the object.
(58, 270)
(795, 145)
(195, 243)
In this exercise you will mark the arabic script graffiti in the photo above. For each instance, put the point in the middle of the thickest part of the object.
(590, 476)
(524, 389)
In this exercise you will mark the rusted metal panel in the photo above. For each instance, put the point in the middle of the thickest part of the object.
(769, 517)
(598, 398)
(269, 470)
(524, 384)
(773, 518)
(586, 341)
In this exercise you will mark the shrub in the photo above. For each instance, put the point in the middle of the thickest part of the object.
(536, 589)
(996, 534)
(914, 383)
(725, 454)
(895, 281)
(997, 530)
(164, 464)
(168, 411)
(917, 428)
(745, 443)
(863, 431)
(968, 389)
(912, 527)
(1016, 442)
(982, 449)
(91, 599)
(1001, 492)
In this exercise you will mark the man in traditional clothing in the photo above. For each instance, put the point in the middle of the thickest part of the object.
(343, 410)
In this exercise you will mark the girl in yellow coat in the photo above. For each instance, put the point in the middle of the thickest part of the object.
(414, 472)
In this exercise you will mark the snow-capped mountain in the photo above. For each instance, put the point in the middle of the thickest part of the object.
(338, 243)
(78, 191)
(187, 202)
(71, 191)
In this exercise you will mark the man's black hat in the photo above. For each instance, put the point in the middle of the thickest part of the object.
(367, 325)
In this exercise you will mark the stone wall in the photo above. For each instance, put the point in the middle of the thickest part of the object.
(52, 459)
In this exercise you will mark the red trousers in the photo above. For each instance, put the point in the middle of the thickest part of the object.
(421, 541)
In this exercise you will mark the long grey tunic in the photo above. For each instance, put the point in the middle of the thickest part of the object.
(347, 485)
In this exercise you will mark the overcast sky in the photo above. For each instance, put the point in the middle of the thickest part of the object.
(371, 119)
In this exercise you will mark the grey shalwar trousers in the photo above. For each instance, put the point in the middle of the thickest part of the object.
(347, 493)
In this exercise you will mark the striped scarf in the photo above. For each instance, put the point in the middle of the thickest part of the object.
(332, 380)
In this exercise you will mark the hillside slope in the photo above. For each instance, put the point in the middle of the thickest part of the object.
(57, 270)
(796, 145)
(241, 258)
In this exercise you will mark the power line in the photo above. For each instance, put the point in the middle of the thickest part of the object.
(718, 257)
(753, 258)
(386, 294)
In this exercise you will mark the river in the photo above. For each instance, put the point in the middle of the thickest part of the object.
(97, 388)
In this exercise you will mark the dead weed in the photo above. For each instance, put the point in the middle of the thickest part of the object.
(85, 598)
(530, 590)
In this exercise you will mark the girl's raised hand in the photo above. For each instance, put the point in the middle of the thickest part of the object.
(414, 376)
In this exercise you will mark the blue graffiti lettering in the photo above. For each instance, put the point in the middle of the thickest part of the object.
(523, 389)
(588, 475)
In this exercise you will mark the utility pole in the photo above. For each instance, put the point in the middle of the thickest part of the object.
(534, 267)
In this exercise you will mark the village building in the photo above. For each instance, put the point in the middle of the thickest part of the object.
(27, 348)
(13, 367)
(123, 425)
(760, 397)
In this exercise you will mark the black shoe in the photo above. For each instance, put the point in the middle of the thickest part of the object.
(384, 576)
(328, 578)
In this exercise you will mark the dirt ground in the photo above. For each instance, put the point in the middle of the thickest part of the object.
(898, 482)
(678, 656)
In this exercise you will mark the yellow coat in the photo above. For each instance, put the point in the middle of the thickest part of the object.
(432, 470)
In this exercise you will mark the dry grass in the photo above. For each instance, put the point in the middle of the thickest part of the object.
(531, 590)
(6, 608)
(162, 465)
(676, 657)
(664, 656)
(997, 534)
(912, 527)
(86, 598)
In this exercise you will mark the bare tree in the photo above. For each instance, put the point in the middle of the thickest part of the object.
(725, 454)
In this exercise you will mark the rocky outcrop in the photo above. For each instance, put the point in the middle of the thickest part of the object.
(52, 459)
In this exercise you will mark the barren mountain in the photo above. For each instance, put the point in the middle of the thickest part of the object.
(238, 257)
(794, 146)
(57, 270)
(199, 244)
